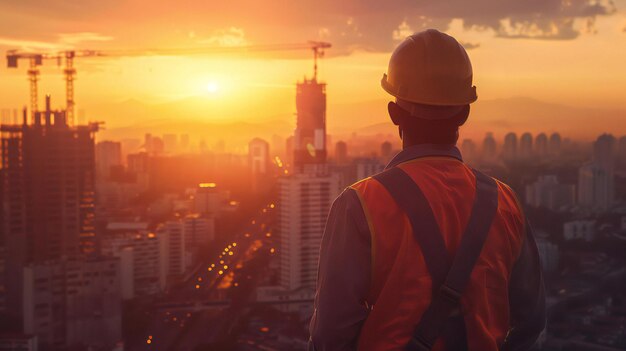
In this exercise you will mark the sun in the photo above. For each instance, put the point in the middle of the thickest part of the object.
(212, 87)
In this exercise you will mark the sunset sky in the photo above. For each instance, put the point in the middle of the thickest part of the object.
(562, 57)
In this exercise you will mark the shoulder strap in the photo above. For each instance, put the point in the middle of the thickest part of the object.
(448, 285)
(412, 201)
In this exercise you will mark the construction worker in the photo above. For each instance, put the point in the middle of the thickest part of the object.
(430, 253)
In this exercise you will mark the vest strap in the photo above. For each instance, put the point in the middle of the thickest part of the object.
(412, 201)
(449, 281)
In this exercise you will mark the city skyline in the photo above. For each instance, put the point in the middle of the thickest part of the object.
(523, 69)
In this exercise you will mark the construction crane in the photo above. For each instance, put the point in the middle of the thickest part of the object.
(36, 60)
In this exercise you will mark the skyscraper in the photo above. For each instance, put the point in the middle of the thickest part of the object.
(310, 134)
(341, 152)
(554, 147)
(596, 180)
(489, 147)
(541, 145)
(510, 146)
(48, 176)
(259, 164)
(108, 154)
(305, 196)
(526, 145)
(305, 200)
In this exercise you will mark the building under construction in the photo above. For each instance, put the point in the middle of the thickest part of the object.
(47, 194)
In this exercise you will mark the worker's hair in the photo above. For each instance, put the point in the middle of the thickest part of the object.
(433, 131)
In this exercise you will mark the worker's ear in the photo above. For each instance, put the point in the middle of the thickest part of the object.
(395, 112)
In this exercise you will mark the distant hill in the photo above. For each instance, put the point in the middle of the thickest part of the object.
(197, 117)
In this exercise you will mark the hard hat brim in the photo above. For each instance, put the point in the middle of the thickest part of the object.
(395, 91)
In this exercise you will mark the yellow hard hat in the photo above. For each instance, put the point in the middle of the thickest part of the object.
(430, 68)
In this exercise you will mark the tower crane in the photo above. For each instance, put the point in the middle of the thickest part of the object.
(36, 59)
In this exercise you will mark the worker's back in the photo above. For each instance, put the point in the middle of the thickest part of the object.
(428, 218)
(401, 284)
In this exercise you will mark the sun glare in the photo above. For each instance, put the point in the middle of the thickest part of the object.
(212, 87)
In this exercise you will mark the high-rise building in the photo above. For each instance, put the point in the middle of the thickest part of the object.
(305, 196)
(621, 153)
(604, 152)
(386, 151)
(549, 193)
(341, 152)
(509, 151)
(554, 147)
(548, 255)
(526, 146)
(146, 250)
(468, 150)
(170, 143)
(309, 145)
(108, 154)
(305, 200)
(48, 188)
(367, 167)
(596, 180)
(173, 234)
(259, 164)
(184, 142)
(580, 229)
(541, 145)
(595, 187)
(68, 304)
(489, 147)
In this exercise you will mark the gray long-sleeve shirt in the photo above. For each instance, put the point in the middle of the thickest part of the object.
(345, 273)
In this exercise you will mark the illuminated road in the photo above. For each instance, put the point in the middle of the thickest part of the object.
(205, 309)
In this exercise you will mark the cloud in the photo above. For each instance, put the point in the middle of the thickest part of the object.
(72, 39)
(371, 25)
(470, 46)
(228, 37)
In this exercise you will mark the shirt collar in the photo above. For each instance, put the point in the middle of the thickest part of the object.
(425, 150)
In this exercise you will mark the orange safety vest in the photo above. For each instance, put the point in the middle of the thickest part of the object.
(401, 285)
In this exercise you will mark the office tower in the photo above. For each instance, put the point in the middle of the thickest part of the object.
(548, 255)
(305, 200)
(595, 187)
(468, 150)
(108, 154)
(509, 151)
(526, 146)
(309, 146)
(157, 147)
(581, 229)
(541, 145)
(18, 342)
(208, 199)
(367, 167)
(604, 152)
(621, 153)
(132, 241)
(489, 147)
(170, 143)
(184, 142)
(172, 232)
(554, 147)
(147, 143)
(199, 230)
(70, 304)
(341, 152)
(549, 193)
(596, 180)
(48, 186)
(305, 196)
(386, 151)
(259, 165)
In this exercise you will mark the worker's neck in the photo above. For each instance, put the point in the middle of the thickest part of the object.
(408, 142)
